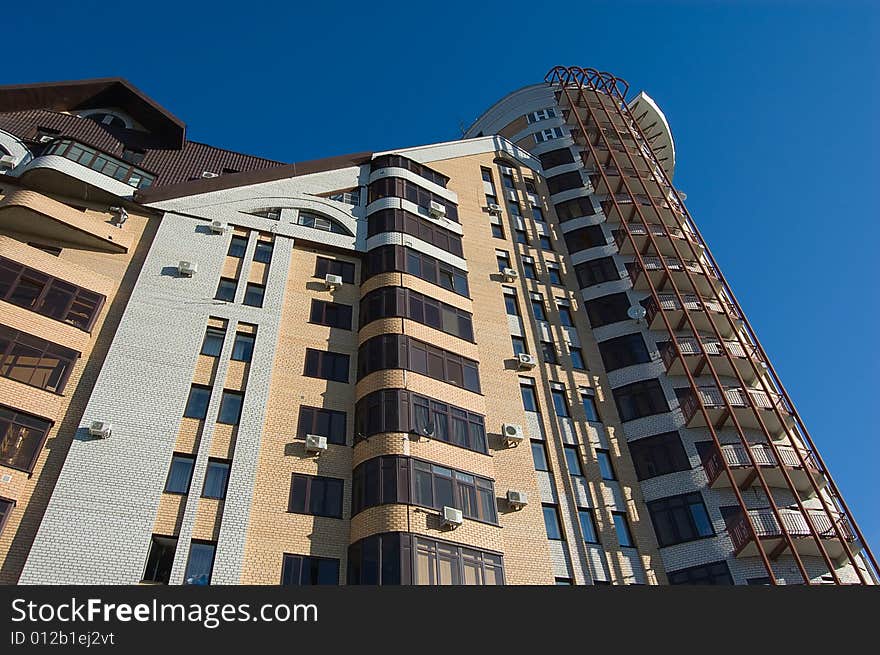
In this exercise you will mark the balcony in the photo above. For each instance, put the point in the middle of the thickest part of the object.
(745, 405)
(617, 181)
(770, 533)
(744, 474)
(698, 309)
(696, 355)
(622, 207)
(642, 240)
(686, 275)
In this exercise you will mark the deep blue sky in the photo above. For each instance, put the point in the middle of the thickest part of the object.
(774, 108)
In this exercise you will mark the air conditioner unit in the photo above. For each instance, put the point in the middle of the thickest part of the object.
(509, 274)
(494, 208)
(218, 227)
(437, 209)
(451, 517)
(187, 269)
(526, 361)
(7, 161)
(100, 429)
(517, 499)
(332, 281)
(316, 443)
(512, 434)
(209, 174)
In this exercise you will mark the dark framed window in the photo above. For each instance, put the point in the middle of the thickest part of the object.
(680, 518)
(497, 230)
(763, 581)
(554, 158)
(658, 455)
(529, 397)
(237, 247)
(180, 474)
(387, 259)
(511, 304)
(603, 458)
(716, 573)
(573, 461)
(544, 243)
(607, 309)
(564, 182)
(243, 346)
(332, 314)
(554, 275)
(560, 403)
(627, 350)
(563, 582)
(596, 271)
(639, 399)
(160, 559)
(396, 410)
(529, 269)
(539, 456)
(486, 174)
(399, 351)
(253, 294)
(519, 346)
(588, 401)
(48, 296)
(503, 260)
(538, 214)
(212, 344)
(328, 423)
(21, 438)
(538, 309)
(565, 316)
(263, 252)
(216, 478)
(399, 220)
(230, 407)
(588, 525)
(197, 403)
(326, 365)
(507, 181)
(520, 236)
(316, 495)
(386, 302)
(574, 208)
(226, 289)
(548, 350)
(621, 527)
(200, 563)
(324, 267)
(577, 358)
(34, 361)
(308, 570)
(552, 523)
(399, 161)
(584, 238)
(397, 187)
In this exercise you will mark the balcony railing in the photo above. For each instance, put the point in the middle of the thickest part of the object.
(669, 303)
(654, 263)
(104, 164)
(711, 346)
(735, 456)
(766, 525)
(657, 231)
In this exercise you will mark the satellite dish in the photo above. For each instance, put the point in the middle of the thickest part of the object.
(636, 312)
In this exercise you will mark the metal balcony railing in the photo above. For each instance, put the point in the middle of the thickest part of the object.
(735, 456)
(766, 525)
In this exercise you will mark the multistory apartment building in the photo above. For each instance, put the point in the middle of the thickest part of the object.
(508, 359)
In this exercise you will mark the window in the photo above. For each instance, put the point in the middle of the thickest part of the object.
(521, 237)
(48, 296)
(34, 361)
(530, 400)
(553, 274)
(549, 134)
(574, 208)
(565, 316)
(253, 294)
(564, 182)
(326, 365)
(407, 260)
(160, 559)
(322, 223)
(200, 563)
(680, 518)
(331, 314)
(399, 351)
(386, 302)
(560, 403)
(307, 570)
(604, 460)
(596, 271)
(716, 573)
(540, 115)
(21, 438)
(263, 252)
(226, 289)
(584, 238)
(551, 522)
(396, 187)
(548, 350)
(486, 174)
(230, 407)
(503, 260)
(133, 156)
(539, 456)
(607, 309)
(621, 526)
(538, 214)
(350, 197)
(507, 181)
(212, 344)
(658, 455)
(497, 231)
(98, 161)
(197, 403)
(577, 358)
(573, 461)
(180, 474)
(529, 268)
(588, 400)
(511, 304)
(628, 350)
(322, 422)
(588, 526)
(519, 346)
(216, 479)
(530, 186)
(237, 246)
(563, 582)
(399, 161)
(396, 410)
(324, 267)
(554, 158)
(398, 220)
(640, 399)
(762, 581)
(538, 309)
(544, 242)
(243, 347)
(316, 495)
